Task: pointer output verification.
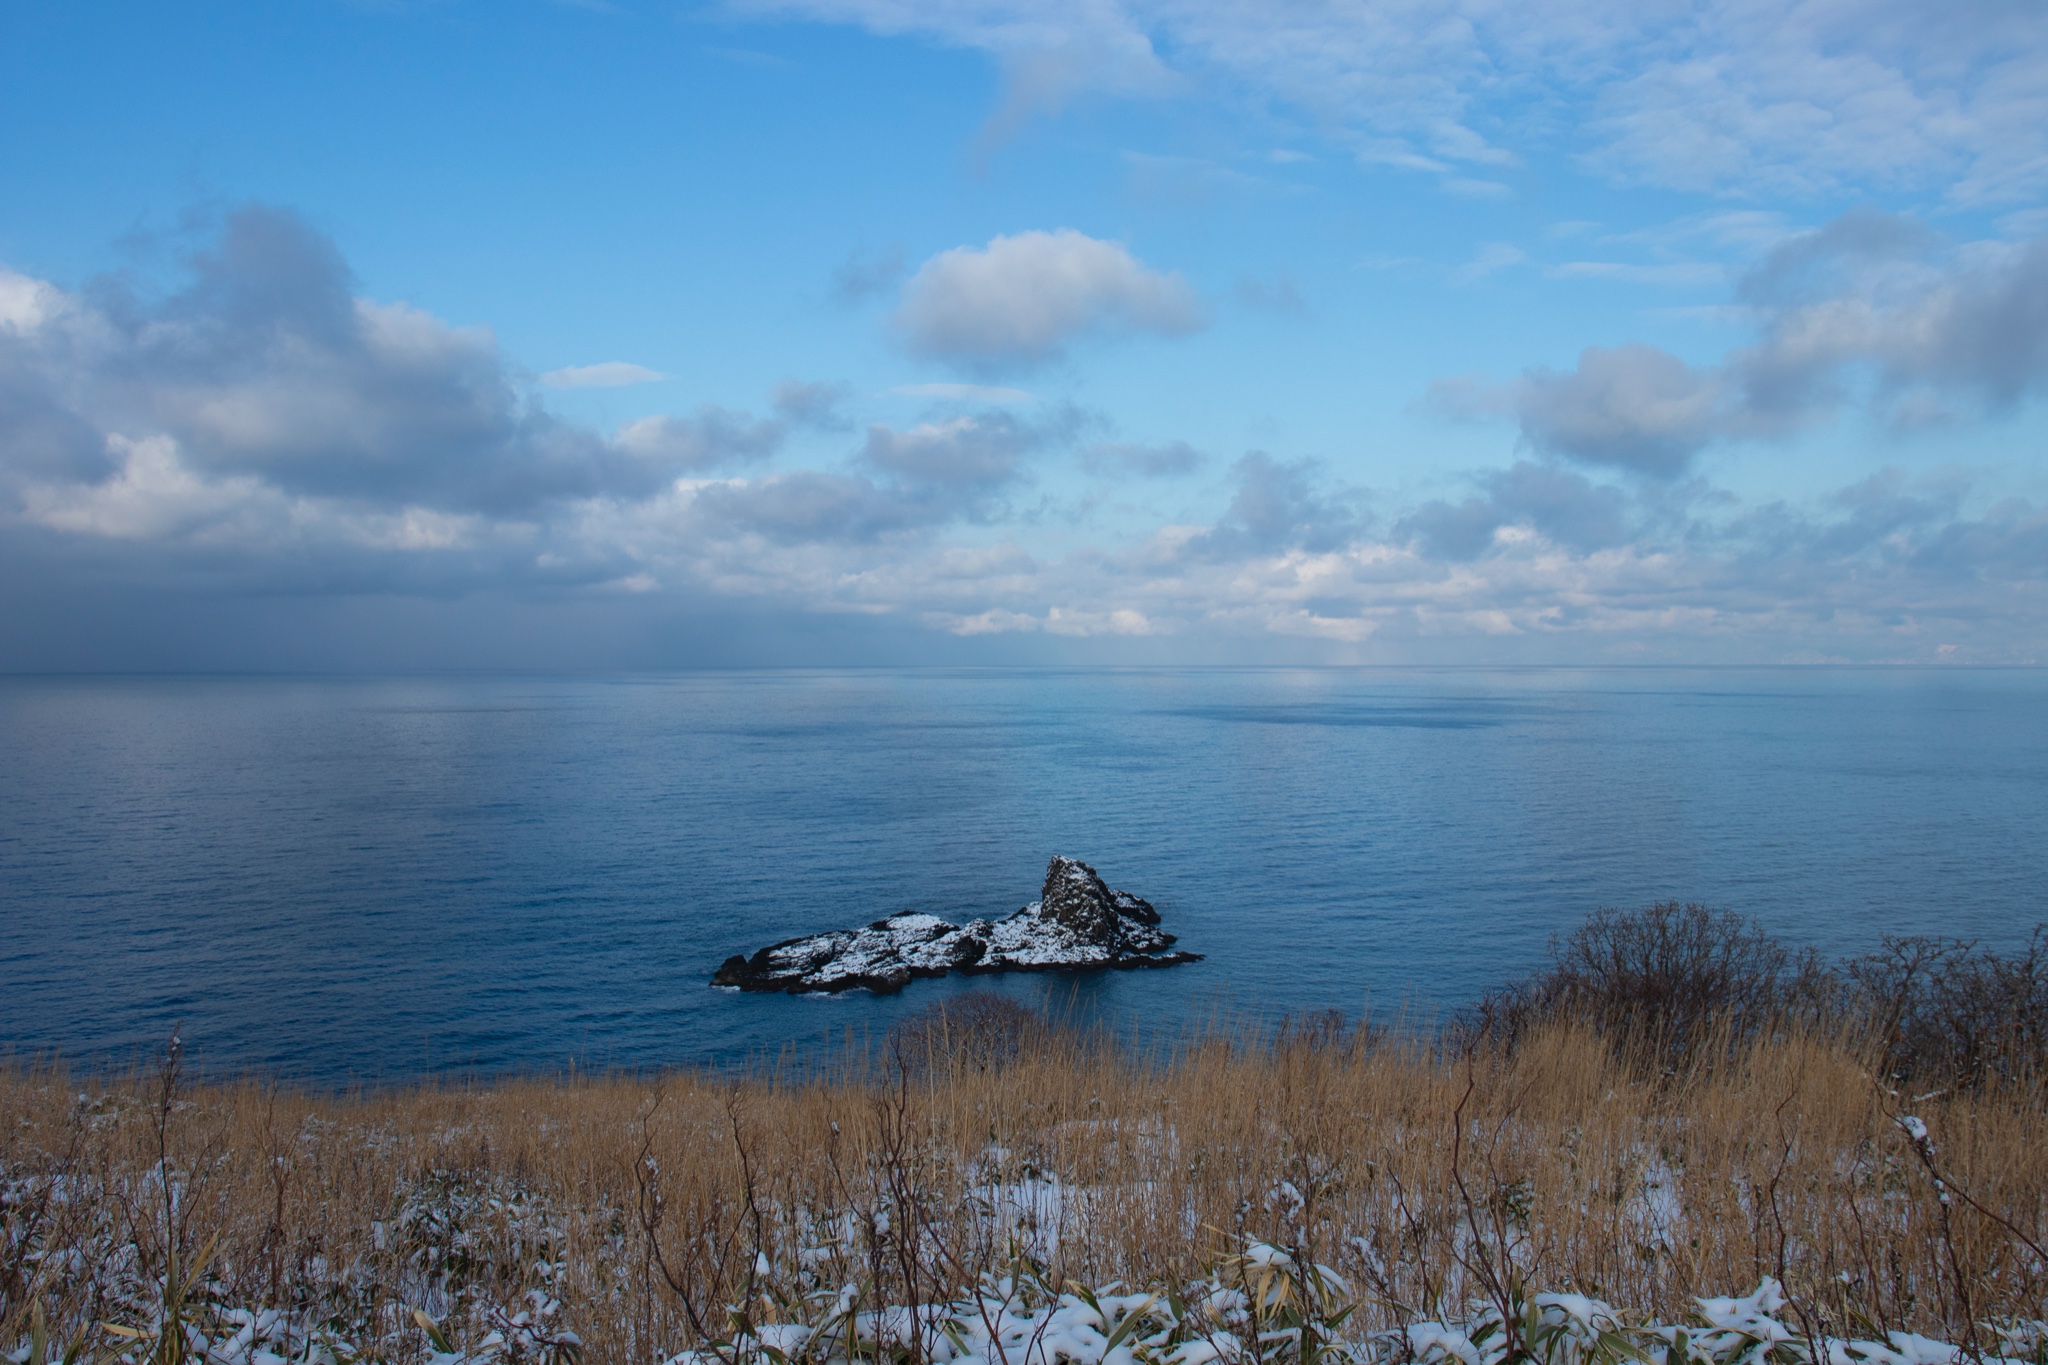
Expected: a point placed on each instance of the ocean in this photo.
(344, 880)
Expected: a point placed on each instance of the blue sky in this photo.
(538, 334)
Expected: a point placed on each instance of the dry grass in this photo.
(646, 1208)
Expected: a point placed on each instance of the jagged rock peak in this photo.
(1078, 921)
(1075, 896)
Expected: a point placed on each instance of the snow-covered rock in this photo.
(1078, 921)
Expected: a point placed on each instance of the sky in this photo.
(619, 334)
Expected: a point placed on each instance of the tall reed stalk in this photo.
(622, 1218)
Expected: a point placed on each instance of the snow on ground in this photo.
(443, 1300)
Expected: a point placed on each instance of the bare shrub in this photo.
(1951, 1013)
(1668, 981)
(1682, 984)
(978, 1030)
(1001, 1161)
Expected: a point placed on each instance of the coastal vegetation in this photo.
(1578, 1170)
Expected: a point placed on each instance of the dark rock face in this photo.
(1078, 921)
(1075, 897)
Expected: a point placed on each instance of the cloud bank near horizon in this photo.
(262, 432)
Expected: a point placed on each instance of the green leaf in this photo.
(1129, 1324)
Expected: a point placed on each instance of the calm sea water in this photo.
(371, 879)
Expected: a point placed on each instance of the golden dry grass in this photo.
(1420, 1176)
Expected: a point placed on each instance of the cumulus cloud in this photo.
(610, 374)
(713, 438)
(1277, 505)
(26, 304)
(267, 366)
(1633, 406)
(262, 430)
(263, 413)
(1019, 300)
(263, 404)
(1889, 568)
(1934, 328)
(1928, 319)
(719, 438)
(1809, 97)
(811, 506)
(960, 466)
(964, 453)
(1561, 506)
(906, 483)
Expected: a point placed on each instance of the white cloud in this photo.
(1748, 96)
(1083, 622)
(152, 495)
(1493, 256)
(1468, 187)
(26, 304)
(714, 437)
(1020, 299)
(267, 367)
(265, 432)
(610, 374)
(1885, 293)
(965, 453)
(1633, 406)
(994, 621)
(1935, 328)
(804, 507)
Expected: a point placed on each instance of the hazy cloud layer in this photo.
(810, 506)
(262, 431)
(1871, 308)
(963, 393)
(964, 453)
(712, 438)
(1019, 300)
(1147, 461)
(1806, 97)
(864, 274)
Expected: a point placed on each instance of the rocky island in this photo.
(1077, 921)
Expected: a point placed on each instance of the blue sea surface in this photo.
(338, 880)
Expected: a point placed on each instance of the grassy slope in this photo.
(1426, 1179)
